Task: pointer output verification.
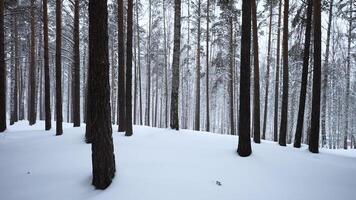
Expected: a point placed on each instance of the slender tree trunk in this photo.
(76, 70)
(2, 71)
(165, 66)
(276, 85)
(325, 78)
(267, 72)
(175, 65)
(148, 91)
(256, 70)
(128, 112)
(113, 82)
(244, 145)
(207, 68)
(103, 158)
(59, 116)
(16, 101)
(303, 88)
(121, 73)
(47, 86)
(315, 118)
(348, 66)
(139, 60)
(135, 77)
(197, 73)
(231, 77)
(284, 112)
(32, 70)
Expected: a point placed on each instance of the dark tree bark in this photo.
(244, 145)
(303, 88)
(256, 70)
(175, 65)
(121, 73)
(129, 69)
(99, 115)
(16, 101)
(207, 67)
(76, 69)
(165, 67)
(32, 70)
(59, 117)
(315, 115)
(268, 69)
(284, 113)
(197, 73)
(2, 71)
(276, 86)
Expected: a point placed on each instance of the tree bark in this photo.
(32, 70)
(2, 71)
(197, 76)
(175, 65)
(315, 113)
(76, 70)
(128, 112)
(256, 70)
(231, 76)
(207, 68)
(59, 117)
(121, 73)
(303, 88)
(284, 113)
(103, 158)
(244, 144)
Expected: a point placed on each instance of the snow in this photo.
(157, 164)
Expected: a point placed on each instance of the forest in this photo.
(111, 74)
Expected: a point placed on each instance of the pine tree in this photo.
(128, 111)
(76, 68)
(59, 117)
(207, 67)
(284, 112)
(303, 88)
(103, 158)
(256, 71)
(32, 70)
(315, 113)
(175, 65)
(244, 145)
(197, 77)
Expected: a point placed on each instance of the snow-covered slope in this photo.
(161, 164)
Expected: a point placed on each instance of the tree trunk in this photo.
(16, 100)
(165, 66)
(2, 71)
(284, 112)
(197, 73)
(303, 88)
(256, 70)
(175, 65)
(276, 87)
(315, 118)
(139, 60)
(47, 86)
(207, 68)
(348, 66)
(267, 72)
(103, 158)
(231, 77)
(59, 117)
(32, 70)
(76, 70)
(128, 112)
(121, 73)
(244, 145)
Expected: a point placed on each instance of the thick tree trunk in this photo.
(121, 73)
(2, 71)
(59, 116)
(276, 85)
(103, 158)
(315, 113)
(175, 65)
(267, 72)
(303, 88)
(284, 113)
(32, 70)
(244, 145)
(256, 70)
(128, 112)
(76, 70)
(197, 76)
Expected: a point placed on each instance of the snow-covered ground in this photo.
(162, 164)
